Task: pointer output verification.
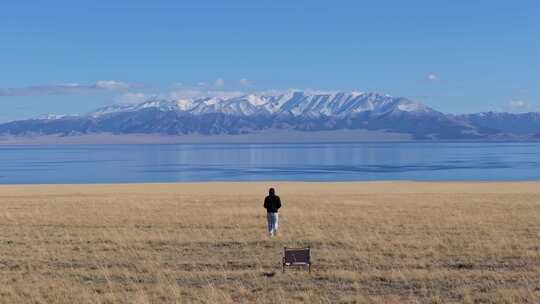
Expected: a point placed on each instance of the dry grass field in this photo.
(206, 243)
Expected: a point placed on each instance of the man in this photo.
(272, 203)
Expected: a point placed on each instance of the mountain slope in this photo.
(521, 124)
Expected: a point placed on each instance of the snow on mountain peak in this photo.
(256, 100)
(411, 106)
(49, 116)
(184, 104)
(355, 94)
(212, 101)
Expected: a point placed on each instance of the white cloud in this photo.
(66, 88)
(132, 97)
(194, 94)
(518, 106)
(432, 77)
(111, 85)
(244, 82)
(219, 82)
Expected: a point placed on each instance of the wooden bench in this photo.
(297, 257)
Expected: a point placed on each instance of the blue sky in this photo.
(455, 56)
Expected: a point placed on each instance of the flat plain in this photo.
(383, 242)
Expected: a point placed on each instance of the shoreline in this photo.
(268, 136)
(264, 137)
(286, 187)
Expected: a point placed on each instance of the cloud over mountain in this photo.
(66, 88)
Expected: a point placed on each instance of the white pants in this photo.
(273, 222)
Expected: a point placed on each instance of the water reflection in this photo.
(307, 162)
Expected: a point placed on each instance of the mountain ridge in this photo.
(294, 102)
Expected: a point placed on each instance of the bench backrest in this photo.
(297, 255)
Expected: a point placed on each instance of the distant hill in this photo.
(294, 111)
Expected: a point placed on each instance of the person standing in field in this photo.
(272, 203)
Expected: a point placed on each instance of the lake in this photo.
(421, 161)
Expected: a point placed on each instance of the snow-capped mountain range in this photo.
(291, 110)
(297, 103)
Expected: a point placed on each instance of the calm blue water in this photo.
(250, 162)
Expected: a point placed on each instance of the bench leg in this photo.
(309, 267)
(283, 268)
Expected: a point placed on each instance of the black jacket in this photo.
(272, 203)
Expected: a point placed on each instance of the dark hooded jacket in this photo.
(272, 203)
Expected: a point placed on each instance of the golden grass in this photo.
(206, 243)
